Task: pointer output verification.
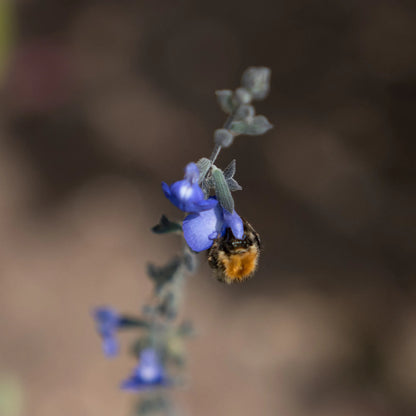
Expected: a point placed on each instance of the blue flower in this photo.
(147, 374)
(201, 229)
(187, 194)
(108, 321)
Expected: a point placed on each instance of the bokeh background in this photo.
(102, 100)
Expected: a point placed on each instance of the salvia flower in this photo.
(201, 229)
(108, 321)
(149, 373)
(186, 194)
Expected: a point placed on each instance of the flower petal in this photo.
(186, 194)
(187, 197)
(207, 204)
(147, 374)
(110, 346)
(234, 222)
(137, 384)
(192, 173)
(149, 369)
(198, 228)
(166, 190)
(134, 383)
(107, 320)
(149, 356)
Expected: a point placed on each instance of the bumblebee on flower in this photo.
(233, 244)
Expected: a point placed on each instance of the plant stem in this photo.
(215, 153)
(217, 147)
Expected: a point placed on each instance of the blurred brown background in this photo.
(102, 100)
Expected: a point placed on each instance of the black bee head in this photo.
(232, 243)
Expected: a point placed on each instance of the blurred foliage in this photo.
(166, 226)
(6, 34)
(10, 397)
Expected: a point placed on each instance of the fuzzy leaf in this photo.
(164, 274)
(168, 307)
(260, 125)
(224, 98)
(222, 191)
(244, 112)
(223, 138)
(228, 174)
(257, 126)
(233, 185)
(257, 81)
(203, 165)
(229, 171)
(242, 96)
(166, 226)
(239, 127)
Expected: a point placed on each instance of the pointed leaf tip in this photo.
(257, 126)
(166, 226)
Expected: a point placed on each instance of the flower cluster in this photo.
(207, 219)
(149, 372)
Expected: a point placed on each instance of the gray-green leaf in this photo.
(229, 171)
(223, 138)
(244, 112)
(203, 165)
(257, 81)
(166, 226)
(163, 274)
(242, 96)
(258, 125)
(222, 190)
(233, 185)
(225, 100)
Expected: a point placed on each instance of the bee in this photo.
(235, 260)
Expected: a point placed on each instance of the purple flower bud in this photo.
(149, 373)
(108, 321)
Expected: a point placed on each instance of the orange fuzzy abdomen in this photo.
(240, 266)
